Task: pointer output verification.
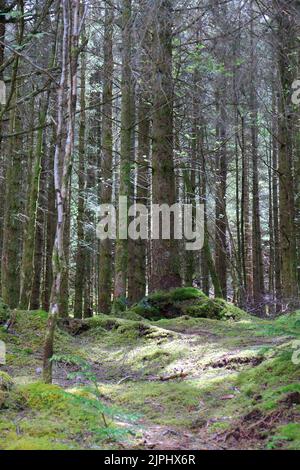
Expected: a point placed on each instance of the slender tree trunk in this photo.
(80, 253)
(105, 259)
(39, 254)
(246, 225)
(257, 256)
(142, 196)
(221, 171)
(50, 227)
(62, 166)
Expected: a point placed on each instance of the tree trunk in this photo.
(165, 272)
(105, 259)
(286, 33)
(257, 256)
(221, 171)
(121, 256)
(80, 253)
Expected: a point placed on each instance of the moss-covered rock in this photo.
(183, 301)
(4, 312)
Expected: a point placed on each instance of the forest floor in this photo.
(182, 383)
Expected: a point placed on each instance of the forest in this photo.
(149, 225)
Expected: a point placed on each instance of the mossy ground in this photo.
(213, 380)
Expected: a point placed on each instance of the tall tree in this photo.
(286, 66)
(165, 272)
(11, 223)
(121, 256)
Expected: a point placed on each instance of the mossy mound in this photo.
(183, 301)
(121, 331)
(4, 312)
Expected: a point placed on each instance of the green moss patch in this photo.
(53, 418)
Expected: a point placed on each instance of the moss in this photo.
(16, 442)
(41, 396)
(131, 314)
(217, 309)
(164, 403)
(55, 419)
(105, 322)
(272, 371)
(4, 312)
(120, 331)
(186, 293)
(27, 340)
(230, 311)
(139, 349)
(185, 301)
(290, 432)
(6, 382)
(179, 294)
(218, 426)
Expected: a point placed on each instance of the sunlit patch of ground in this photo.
(181, 383)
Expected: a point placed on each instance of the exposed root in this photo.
(234, 362)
